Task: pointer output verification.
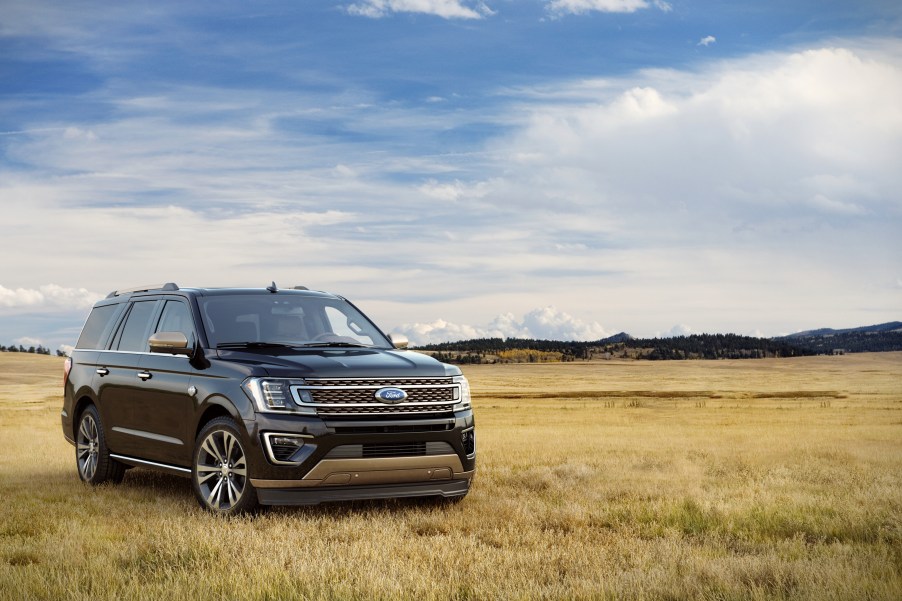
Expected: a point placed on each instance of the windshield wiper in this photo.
(229, 345)
(335, 344)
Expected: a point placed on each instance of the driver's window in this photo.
(177, 318)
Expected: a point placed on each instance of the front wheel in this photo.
(219, 473)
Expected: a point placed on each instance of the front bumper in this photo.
(324, 472)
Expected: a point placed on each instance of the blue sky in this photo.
(548, 168)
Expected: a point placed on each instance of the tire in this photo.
(219, 471)
(92, 456)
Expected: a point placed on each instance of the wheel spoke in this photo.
(83, 430)
(240, 471)
(202, 479)
(210, 447)
(230, 446)
(213, 494)
(233, 492)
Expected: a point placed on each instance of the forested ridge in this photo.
(694, 346)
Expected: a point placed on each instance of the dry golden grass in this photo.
(755, 479)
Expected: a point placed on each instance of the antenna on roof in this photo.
(273, 288)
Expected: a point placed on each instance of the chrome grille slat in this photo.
(378, 382)
(349, 396)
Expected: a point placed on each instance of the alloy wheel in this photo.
(87, 447)
(221, 470)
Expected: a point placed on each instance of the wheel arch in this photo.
(212, 411)
(80, 405)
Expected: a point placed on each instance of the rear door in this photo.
(117, 380)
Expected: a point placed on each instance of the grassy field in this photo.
(759, 479)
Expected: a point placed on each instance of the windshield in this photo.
(290, 319)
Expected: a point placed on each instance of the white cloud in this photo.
(47, 296)
(729, 196)
(447, 9)
(546, 323)
(707, 40)
(454, 191)
(27, 341)
(578, 7)
(679, 330)
(67, 349)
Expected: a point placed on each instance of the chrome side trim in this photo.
(128, 459)
(150, 435)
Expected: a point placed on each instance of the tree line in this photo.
(695, 346)
(37, 350)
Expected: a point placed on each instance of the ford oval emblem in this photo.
(391, 395)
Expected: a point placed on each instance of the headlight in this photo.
(274, 395)
(461, 393)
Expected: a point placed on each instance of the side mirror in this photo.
(399, 340)
(175, 343)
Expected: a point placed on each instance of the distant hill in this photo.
(876, 338)
(891, 326)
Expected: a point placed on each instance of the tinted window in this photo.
(134, 333)
(95, 326)
(177, 318)
(286, 318)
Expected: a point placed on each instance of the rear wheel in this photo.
(220, 473)
(92, 456)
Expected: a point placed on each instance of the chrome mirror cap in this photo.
(399, 340)
(175, 343)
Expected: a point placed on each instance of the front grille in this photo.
(367, 395)
(390, 449)
(349, 397)
(376, 383)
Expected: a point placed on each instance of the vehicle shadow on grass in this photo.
(158, 485)
(144, 485)
(369, 507)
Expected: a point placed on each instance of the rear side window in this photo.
(133, 336)
(96, 325)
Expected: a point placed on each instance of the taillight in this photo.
(67, 366)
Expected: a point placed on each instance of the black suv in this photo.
(269, 396)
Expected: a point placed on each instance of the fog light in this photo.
(468, 438)
(282, 447)
(284, 441)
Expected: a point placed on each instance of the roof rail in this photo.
(168, 286)
(300, 288)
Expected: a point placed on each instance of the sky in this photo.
(564, 169)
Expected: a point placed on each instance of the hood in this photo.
(341, 363)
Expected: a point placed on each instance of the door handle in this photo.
(102, 371)
(145, 375)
